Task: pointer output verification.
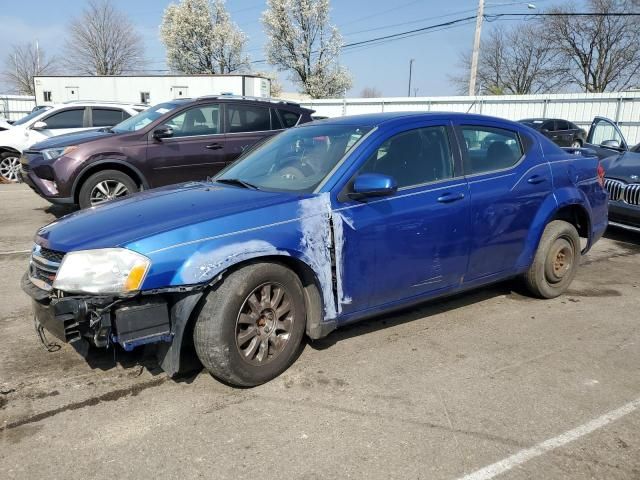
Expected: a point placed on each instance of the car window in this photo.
(290, 119)
(245, 118)
(276, 124)
(72, 118)
(107, 117)
(573, 126)
(414, 157)
(549, 125)
(30, 116)
(562, 125)
(202, 120)
(490, 149)
(603, 131)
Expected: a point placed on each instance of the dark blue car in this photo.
(325, 224)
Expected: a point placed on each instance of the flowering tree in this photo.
(201, 38)
(301, 40)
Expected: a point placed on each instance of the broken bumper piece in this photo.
(100, 320)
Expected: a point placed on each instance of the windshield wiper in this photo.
(238, 182)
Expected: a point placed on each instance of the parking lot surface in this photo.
(489, 383)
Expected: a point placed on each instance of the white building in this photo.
(150, 89)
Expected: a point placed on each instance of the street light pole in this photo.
(476, 49)
(410, 69)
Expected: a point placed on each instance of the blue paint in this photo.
(367, 256)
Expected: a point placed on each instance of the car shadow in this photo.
(59, 211)
(623, 236)
(512, 288)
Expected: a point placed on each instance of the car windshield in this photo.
(296, 160)
(31, 116)
(144, 118)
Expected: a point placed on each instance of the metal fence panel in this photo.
(14, 107)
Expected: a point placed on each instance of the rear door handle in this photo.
(536, 179)
(215, 146)
(450, 197)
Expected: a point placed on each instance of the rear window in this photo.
(245, 118)
(108, 117)
(490, 149)
(290, 119)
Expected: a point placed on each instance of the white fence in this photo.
(580, 108)
(14, 107)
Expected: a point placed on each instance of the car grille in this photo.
(623, 192)
(43, 266)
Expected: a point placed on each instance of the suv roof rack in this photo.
(246, 97)
(108, 102)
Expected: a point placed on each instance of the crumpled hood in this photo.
(623, 167)
(161, 217)
(74, 138)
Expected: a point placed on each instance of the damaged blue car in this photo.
(325, 224)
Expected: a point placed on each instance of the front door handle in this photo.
(215, 146)
(450, 197)
(536, 179)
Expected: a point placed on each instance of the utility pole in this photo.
(37, 58)
(410, 69)
(476, 49)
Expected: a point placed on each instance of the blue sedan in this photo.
(322, 225)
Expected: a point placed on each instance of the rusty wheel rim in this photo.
(264, 323)
(560, 260)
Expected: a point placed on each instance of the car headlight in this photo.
(53, 153)
(102, 271)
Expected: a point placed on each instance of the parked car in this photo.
(186, 139)
(561, 132)
(56, 120)
(322, 225)
(622, 166)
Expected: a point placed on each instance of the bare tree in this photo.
(301, 41)
(370, 92)
(103, 41)
(23, 63)
(201, 38)
(515, 61)
(602, 50)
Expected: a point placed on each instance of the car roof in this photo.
(90, 103)
(376, 119)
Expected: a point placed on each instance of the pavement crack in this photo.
(90, 402)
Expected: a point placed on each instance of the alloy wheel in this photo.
(108, 190)
(264, 323)
(10, 168)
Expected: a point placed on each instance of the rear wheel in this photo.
(250, 328)
(104, 186)
(556, 261)
(9, 167)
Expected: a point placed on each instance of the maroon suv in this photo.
(172, 142)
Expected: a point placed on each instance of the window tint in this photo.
(107, 117)
(490, 149)
(562, 125)
(204, 120)
(276, 124)
(290, 119)
(244, 118)
(550, 125)
(414, 157)
(66, 119)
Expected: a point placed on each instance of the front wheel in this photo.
(9, 167)
(250, 328)
(556, 261)
(104, 186)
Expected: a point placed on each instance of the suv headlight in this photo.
(102, 271)
(53, 153)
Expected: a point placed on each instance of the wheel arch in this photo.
(107, 164)
(5, 149)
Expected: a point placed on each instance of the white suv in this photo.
(56, 120)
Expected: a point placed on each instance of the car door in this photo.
(564, 135)
(605, 138)
(508, 181)
(415, 242)
(196, 149)
(60, 122)
(247, 125)
(549, 130)
(107, 117)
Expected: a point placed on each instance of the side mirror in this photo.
(165, 131)
(610, 144)
(40, 125)
(373, 185)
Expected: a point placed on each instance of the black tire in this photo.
(109, 176)
(556, 261)
(221, 327)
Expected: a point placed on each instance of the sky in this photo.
(384, 67)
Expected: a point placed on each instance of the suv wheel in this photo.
(250, 328)
(9, 166)
(556, 261)
(104, 186)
